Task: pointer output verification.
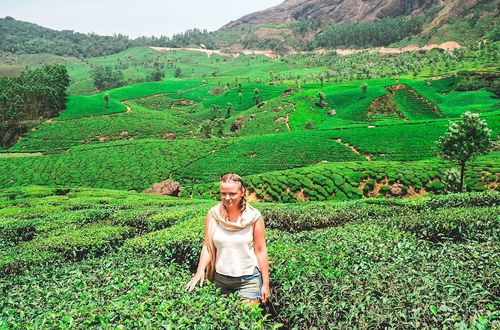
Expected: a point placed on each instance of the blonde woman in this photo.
(234, 252)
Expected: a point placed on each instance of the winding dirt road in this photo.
(447, 46)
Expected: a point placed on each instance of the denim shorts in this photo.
(249, 286)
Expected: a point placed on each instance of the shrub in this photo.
(94, 239)
(457, 224)
(306, 216)
(369, 276)
(472, 199)
(120, 291)
(181, 242)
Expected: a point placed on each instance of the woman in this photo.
(234, 252)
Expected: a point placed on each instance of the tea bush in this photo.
(369, 276)
(430, 261)
(342, 181)
(456, 224)
(119, 291)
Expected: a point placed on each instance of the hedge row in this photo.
(370, 276)
(39, 225)
(353, 180)
(457, 224)
(119, 291)
(426, 262)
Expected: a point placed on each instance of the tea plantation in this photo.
(338, 152)
(82, 257)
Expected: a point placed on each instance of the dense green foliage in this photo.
(33, 95)
(354, 180)
(27, 38)
(115, 165)
(337, 143)
(371, 263)
(119, 290)
(369, 34)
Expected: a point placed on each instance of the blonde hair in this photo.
(233, 177)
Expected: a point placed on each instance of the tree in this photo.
(106, 99)
(218, 125)
(465, 139)
(206, 128)
(158, 72)
(321, 97)
(256, 96)
(178, 72)
(310, 124)
(364, 87)
(229, 109)
(106, 78)
(215, 111)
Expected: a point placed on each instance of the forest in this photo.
(33, 95)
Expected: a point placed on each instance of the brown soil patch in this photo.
(217, 90)
(209, 52)
(272, 33)
(384, 104)
(394, 187)
(287, 122)
(412, 193)
(492, 185)
(187, 102)
(301, 196)
(252, 197)
(377, 186)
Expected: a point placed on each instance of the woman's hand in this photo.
(265, 292)
(198, 277)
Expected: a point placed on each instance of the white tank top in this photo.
(235, 254)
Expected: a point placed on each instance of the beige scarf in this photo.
(218, 215)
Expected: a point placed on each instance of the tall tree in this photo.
(465, 139)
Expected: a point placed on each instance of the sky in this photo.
(131, 17)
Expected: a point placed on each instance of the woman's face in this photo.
(230, 193)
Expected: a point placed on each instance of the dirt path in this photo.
(210, 52)
(368, 157)
(447, 46)
(128, 107)
(287, 123)
(19, 154)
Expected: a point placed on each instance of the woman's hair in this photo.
(233, 177)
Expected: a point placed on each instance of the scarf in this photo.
(218, 215)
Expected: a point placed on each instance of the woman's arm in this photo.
(259, 241)
(203, 263)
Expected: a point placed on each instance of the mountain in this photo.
(334, 11)
(311, 24)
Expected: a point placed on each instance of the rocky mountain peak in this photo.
(334, 11)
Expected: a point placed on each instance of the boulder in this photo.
(166, 187)
(397, 189)
(169, 136)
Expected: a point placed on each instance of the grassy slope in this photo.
(185, 103)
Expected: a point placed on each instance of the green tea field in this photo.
(366, 227)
